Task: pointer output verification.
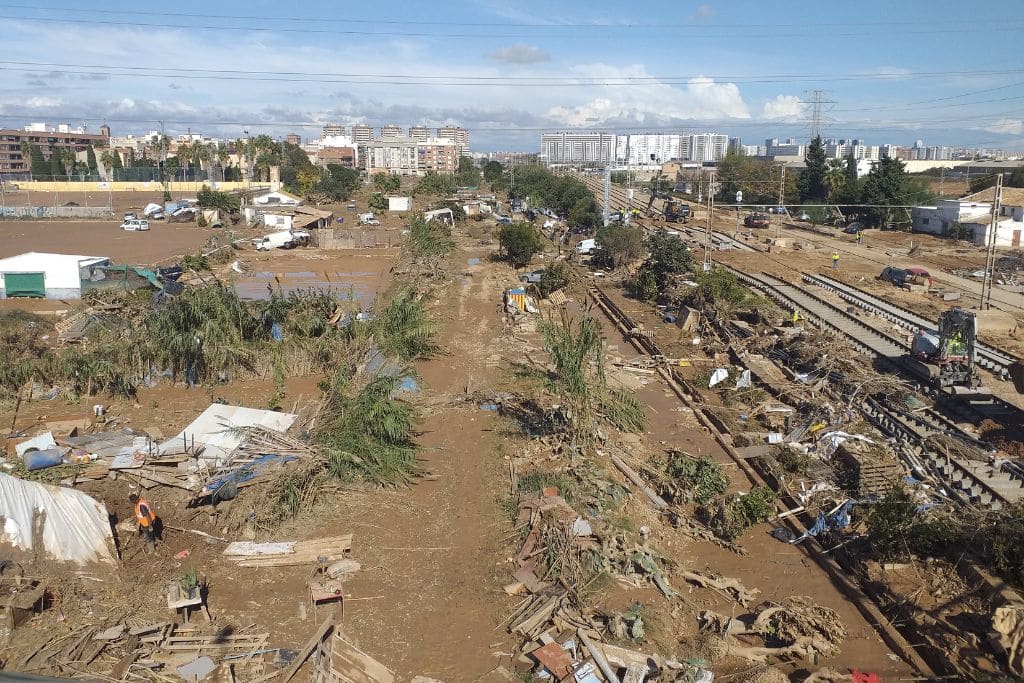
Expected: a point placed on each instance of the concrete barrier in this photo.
(57, 212)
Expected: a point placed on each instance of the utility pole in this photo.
(607, 193)
(817, 101)
(782, 202)
(163, 155)
(990, 250)
(707, 233)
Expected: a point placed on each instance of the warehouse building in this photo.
(48, 276)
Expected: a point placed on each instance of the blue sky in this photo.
(941, 71)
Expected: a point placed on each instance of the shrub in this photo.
(735, 514)
(701, 478)
(520, 242)
(555, 277)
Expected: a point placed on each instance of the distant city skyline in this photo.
(889, 72)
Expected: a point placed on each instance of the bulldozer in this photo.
(946, 358)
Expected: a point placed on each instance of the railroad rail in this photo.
(994, 360)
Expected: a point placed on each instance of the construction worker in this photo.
(796, 317)
(835, 260)
(146, 518)
(860, 237)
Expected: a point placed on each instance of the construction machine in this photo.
(946, 358)
(676, 211)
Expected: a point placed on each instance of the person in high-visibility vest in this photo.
(796, 317)
(835, 260)
(146, 518)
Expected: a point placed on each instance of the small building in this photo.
(399, 203)
(445, 216)
(47, 276)
(970, 217)
(297, 218)
(277, 198)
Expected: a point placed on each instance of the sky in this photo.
(888, 72)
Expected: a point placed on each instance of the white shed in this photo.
(399, 203)
(278, 198)
(278, 220)
(50, 276)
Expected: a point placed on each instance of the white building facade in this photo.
(583, 148)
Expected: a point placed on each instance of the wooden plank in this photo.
(307, 650)
(351, 665)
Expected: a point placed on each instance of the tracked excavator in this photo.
(945, 358)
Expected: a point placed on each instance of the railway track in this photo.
(992, 359)
(968, 480)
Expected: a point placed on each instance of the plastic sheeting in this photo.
(74, 526)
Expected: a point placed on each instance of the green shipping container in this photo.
(25, 284)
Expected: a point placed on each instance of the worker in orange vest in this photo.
(146, 518)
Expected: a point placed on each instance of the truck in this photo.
(282, 239)
(367, 219)
(945, 358)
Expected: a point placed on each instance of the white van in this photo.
(283, 239)
(135, 225)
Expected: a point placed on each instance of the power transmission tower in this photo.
(817, 100)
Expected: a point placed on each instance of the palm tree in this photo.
(835, 177)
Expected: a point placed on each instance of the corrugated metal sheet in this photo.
(217, 429)
(75, 526)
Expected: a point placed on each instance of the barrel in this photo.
(37, 460)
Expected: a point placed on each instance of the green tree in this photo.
(1015, 179)
(493, 172)
(668, 256)
(57, 164)
(520, 242)
(813, 181)
(215, 199)
(835, 178)
(118, 164)
(90, 159)
(620, 244)
(884, 187)
(339, 182)
(468, 174)
(378, 202)
(851, 182)
(757, 178)
(584, 213)
(386, 182)
(39, 168)
(440, 184)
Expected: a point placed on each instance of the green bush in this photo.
(701, 478)
(520, 242)
(896, 528)
(733, 515)
(555, 277)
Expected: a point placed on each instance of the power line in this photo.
(450, 79)
(958, 23)
(698, 32)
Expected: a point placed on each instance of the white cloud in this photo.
(1006, 126)
(520, 54)
(702, 13)
(783, 108)
(40, 102)
(647, 101)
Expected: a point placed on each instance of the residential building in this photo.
(361, 133)
(578, 148)
(47, 276)
(773, 147)
(457, 134)
(1009, 222)
(330, 129)
(398, 156)
(735, 146)
(47, 139)
(438, 155)
(646, 148)
(338, 149)
(753, 150)
(390, 131)
(705, 147)
(293, 139)
(840, 149)
(419, 132)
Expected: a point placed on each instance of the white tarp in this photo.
(74, 526)
(718, 376)
(219, 430)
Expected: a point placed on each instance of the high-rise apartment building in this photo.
(457, 134)
(704, 147)
(332, 129)
(391, 131)
(583, 148)
(361, 133)
(419, 132)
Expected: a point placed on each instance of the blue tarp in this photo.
(840, 519)
(226, 487)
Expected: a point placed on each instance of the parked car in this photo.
(135, 225)
(156, 216)
(920, 274)
(503, 220)
(805, 216)
(777, 209)
(586, 246)
(130, 216)
(534, 277)
(895, 275)
(757, 220)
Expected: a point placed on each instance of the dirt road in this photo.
(164, 242)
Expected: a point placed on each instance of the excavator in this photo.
(945, 358)
(675, 211)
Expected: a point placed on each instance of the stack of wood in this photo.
(872, 471)
(289, 553)
(261, 441)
